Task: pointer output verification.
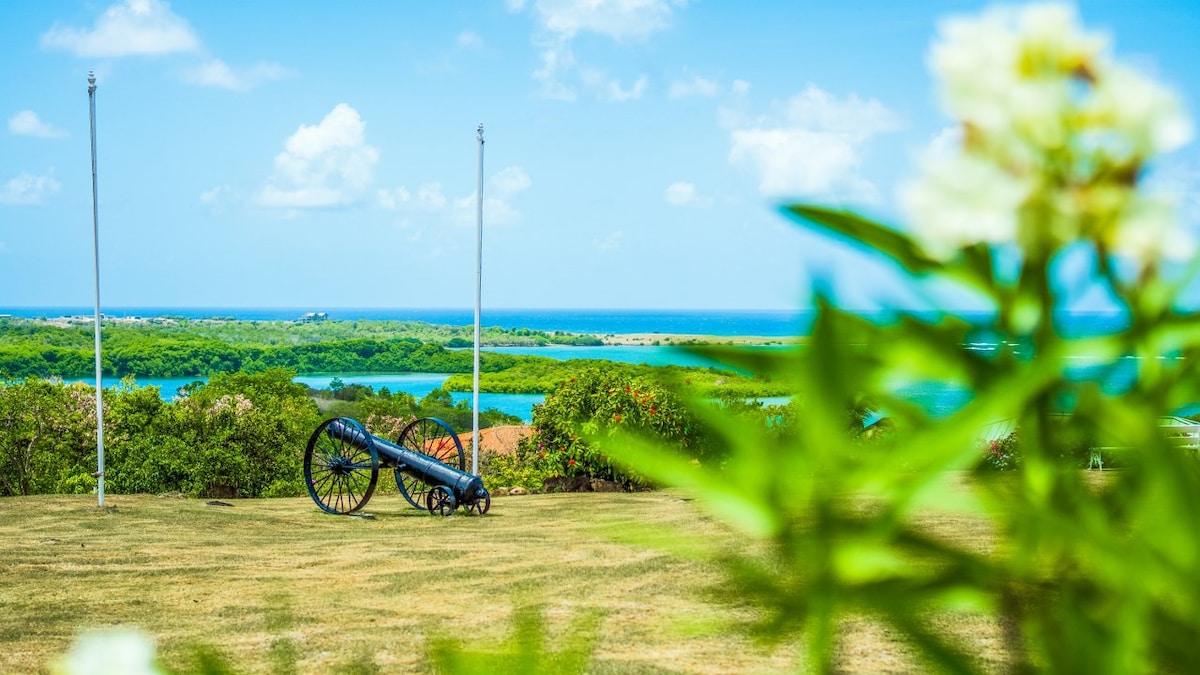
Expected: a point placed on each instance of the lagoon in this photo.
(938, 399)
(420, 384)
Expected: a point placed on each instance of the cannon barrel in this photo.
(465, 486)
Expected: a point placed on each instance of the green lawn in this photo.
(274, 583)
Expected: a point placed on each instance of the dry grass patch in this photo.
(278, 578)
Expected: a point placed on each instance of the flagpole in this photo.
(478, 303)
(96, 267)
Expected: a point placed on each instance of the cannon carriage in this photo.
(342, 463)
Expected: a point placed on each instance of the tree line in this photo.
(238, 435)
(204, 348)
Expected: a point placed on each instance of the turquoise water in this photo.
(420, 384)
(417, 384)
(935, 397)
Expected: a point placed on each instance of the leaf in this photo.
(867, 234)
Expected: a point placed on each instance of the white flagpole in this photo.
(478, 303)
(96, 263)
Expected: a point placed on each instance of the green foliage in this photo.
(174, 348)
(1085, 576)
(239, 435)
(47, 438)
(537, 375)
(522, 469)
(598, 402)
(1003, 454)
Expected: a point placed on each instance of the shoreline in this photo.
(686, 339)
(636, 339)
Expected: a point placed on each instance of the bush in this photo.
(512, 471)
(600, 402)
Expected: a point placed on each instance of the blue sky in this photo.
(323, 155)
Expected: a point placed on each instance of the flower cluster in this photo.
(238, 404)
(1052, 140)
(1001, 454)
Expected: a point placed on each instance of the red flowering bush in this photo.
(1001, 454)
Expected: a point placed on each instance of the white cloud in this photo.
(508, 182)
(945, 141)
(697, 86)
(469, 39)
(682, 193)
(814, 148)
(429, 198)
(561, 21)
(134, 27)
(498, 193)
(611, 242)
(28, 189)
(217, 73)
(617, 19)
(213, 195)
(150, 28)
(329, 164)
(557, 59)
(606, 88)
(27, 123)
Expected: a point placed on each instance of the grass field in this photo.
(278, 586)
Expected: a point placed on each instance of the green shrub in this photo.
(598, 402)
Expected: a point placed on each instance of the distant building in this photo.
(313, 317)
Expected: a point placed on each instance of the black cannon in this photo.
(341, 467)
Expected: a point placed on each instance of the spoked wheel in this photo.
(440, 501)
(432, 437)
(340, 465)
(481, 503)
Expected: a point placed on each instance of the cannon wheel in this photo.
(433, 437)
(341, 469)
(481, 503)
(440, 501)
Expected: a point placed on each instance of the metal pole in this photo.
(478, 303)
(96, 263)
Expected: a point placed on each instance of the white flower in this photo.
(1142, 111)
(1008, 73)
(1055, 140)
(1148, 231)
(118, 651)
(963, 200)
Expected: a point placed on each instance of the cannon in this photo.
(342, 462)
